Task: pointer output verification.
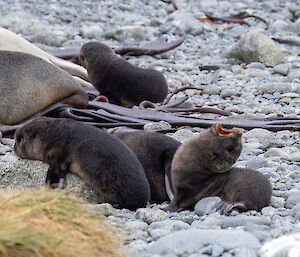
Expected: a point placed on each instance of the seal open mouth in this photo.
(225, 132)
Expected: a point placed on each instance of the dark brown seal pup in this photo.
(118, 80)
(29, 84)
(102, 160)
(155, 152)
(201, 167)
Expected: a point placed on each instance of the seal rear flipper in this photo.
(226, 208)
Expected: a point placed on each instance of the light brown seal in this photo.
(121, 82)
(201, 167)
(29, 84)
(10, 41)
(102, 160)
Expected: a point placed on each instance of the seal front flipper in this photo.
(55, 177)
(57, 171)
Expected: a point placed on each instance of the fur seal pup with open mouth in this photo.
(155, 152)
(29, 84)
(201, 167)
(100, 159)
(121, 82)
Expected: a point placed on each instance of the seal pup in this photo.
(10, 41)
(100, 159)
(118, 80)
(201, 167)
(155, 152)
(29, 84)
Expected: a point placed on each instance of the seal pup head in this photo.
(213, 151)
(95, 53)
(28, 143)
(226, 147)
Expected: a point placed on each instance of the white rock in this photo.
(150, 215)
(255, 47)
(282, 68)
(285, 246)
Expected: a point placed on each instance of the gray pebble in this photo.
(293, 198)
(255, 47)
(173, 225)
(149, 215)
(282, 68)
(257, 162)
(206, 205)
(296, 211)
(136, 224)
(285, 246)
(155, 126)
(277, 202)
(192, 240)
(7, 141)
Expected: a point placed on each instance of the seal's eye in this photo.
(81, 57)
(228, 145)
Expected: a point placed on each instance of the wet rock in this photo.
(149, 215)
(255, 47)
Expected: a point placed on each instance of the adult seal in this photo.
(155, 152)
(29, 84)
(201, 167)
(100, 159)
(10, 41)
(118, 80)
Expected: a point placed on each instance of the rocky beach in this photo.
(239, 67)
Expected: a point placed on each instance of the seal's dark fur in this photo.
(102, 160)
(155, 152)
(121, 82)
(202, 165)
